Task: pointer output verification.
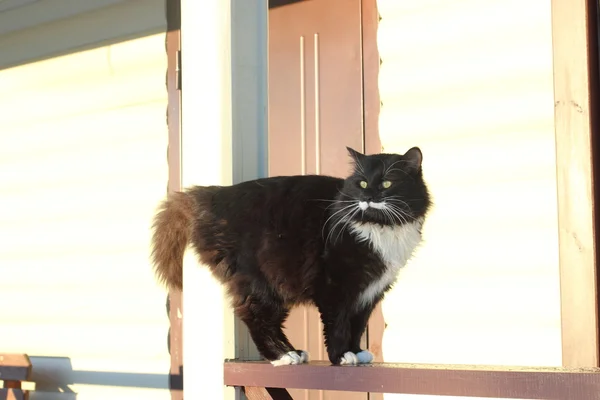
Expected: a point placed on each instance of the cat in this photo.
(283, 241)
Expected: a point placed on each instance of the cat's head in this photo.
(385, 188)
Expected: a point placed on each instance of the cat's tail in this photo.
(172, 228)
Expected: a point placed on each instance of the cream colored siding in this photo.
(83, 143)
(470, 82)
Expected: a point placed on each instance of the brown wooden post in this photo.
(173, 40)
(577, 247)
(14, 369)
(372, 143)
(371, 60)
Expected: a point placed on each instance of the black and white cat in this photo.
(278, 242)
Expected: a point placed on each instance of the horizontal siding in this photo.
(29, 13)
(470, 83)
(51, 28)
(99, 64)
(83, 164)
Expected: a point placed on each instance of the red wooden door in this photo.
(316, 108)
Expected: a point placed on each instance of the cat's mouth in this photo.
(364, 205)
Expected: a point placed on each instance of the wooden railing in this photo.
(14, 370)
(260, 380)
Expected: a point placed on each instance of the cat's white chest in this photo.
(395, 245)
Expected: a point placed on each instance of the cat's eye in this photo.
(363, 184)
(386, 184)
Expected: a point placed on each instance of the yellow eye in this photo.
(386, 184)
(363, 184)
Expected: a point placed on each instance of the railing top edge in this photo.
(428, 379)
(423, 366)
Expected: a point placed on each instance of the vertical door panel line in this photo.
(317, 108)
(302, 109)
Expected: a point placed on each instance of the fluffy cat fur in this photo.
(282, 241)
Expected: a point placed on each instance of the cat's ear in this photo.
(356, 156)
(414, 158)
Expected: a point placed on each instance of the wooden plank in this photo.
(577, 248)
(261, 393)
(441, 380)
(14, 367)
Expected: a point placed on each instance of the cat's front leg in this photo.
(358, 325)
(343, 327)
(337, 329)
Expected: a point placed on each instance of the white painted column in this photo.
(224, 141)
(208, 324)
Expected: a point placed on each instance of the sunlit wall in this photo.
(470, 82)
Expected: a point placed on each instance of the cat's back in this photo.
(303, 185)
(298, 194)
(273, 190)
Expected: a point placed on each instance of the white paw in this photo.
(364, 357)
(303, 356)
(349, 358)
(291, 358)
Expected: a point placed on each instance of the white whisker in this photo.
(398, 208)
(360, 168)
(387, 215)
(397, 169)
(340, 220)
(333, 215)
(392, 200)
(398, 214)
(334, 201)
(403, 217)
(348, 220)
(389, 168)
(343, 194)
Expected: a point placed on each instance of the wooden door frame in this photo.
(575, 61)
(372, 143)
(371, 62)
(173, 82)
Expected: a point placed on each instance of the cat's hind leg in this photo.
(264, 318)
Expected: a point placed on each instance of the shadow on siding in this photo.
(53, 375)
